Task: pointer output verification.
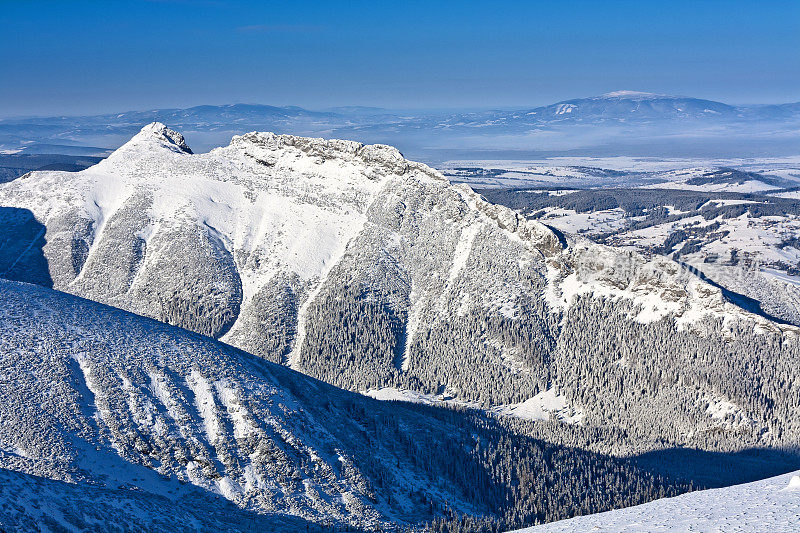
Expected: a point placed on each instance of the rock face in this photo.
(351, 264)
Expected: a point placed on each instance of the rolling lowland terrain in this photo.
(375, 274)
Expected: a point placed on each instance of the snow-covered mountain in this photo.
(368, 271)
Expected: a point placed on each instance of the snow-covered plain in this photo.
(768, 505)
(619, 171)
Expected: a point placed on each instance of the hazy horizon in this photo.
(334, 108)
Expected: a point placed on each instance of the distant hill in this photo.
(632, 105)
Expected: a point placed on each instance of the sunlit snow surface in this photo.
(547, 405)
(768, 505)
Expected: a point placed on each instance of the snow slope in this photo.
(768, 505)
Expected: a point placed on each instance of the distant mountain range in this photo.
(618, 123)
(618, 105)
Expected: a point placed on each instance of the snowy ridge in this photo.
(768, 505)
(121, 421)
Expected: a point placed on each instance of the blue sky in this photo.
(59, 57)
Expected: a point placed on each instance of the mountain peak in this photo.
(162, 135)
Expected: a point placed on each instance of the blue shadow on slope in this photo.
(22, 240)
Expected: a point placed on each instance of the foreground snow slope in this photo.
(360, 268)
(768, 505)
